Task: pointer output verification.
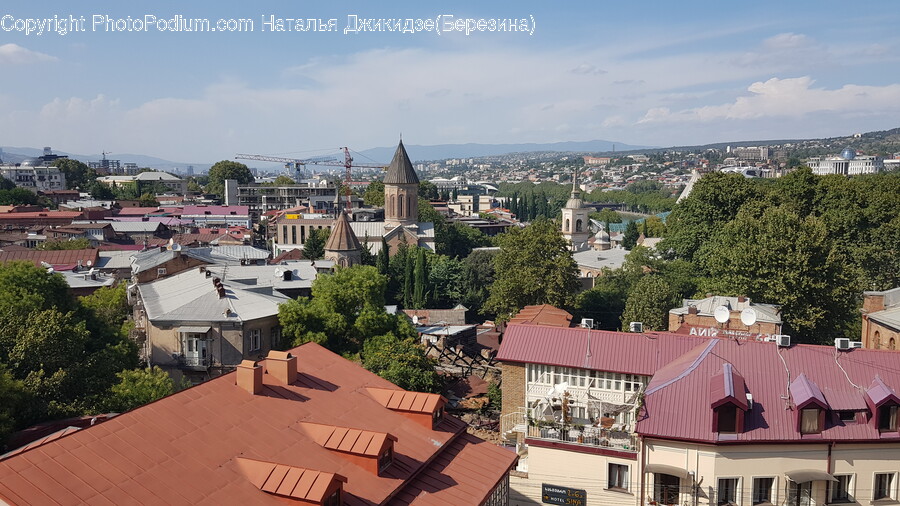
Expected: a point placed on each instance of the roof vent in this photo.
(637, 327)
(249, 376)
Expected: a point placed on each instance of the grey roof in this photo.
(401, 171)
(767, 313)
(135, 227)
(593, 259)
(254, 277)
(191, 297)
(114, 259)
(148, 259)
(156, 176)
(83, 279)
(888, 317)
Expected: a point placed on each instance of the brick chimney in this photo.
(249, 376)
(282, 366)
(693, 310)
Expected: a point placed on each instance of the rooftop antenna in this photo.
(722, 314)
(748, 316)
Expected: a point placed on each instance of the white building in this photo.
(847, 164)
(35, 176)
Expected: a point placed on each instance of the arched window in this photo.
(393, 205)
(400, 207)
(578, 225)
(568, 228)
(892, 344)
(876, 342)
(343, 262)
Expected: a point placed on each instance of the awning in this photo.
(193, 330)
(805, 475)
(667, 469)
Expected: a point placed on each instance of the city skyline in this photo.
(644, 74)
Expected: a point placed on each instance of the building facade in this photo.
(881, 319)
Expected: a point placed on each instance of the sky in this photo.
(643, 73)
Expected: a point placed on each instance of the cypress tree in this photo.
(419, 277)
(382, 261)
(408, 280)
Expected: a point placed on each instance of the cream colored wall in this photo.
(710, 463)
(576, 470)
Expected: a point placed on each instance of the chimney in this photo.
(693, 310)
(282, 366)
(249, 376)
(742, 299)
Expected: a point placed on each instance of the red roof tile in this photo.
(544, 314)
(186, 448)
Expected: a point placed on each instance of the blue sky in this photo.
(651, 73)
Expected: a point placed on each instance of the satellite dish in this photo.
(49, 270)
(415, 320)
(176, 247)
(722, 314)
(89, 263)
(748, 316)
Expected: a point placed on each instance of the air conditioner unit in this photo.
(783, 340)
(587, 323)
(842, 343)
(636, 327)
(856, 344)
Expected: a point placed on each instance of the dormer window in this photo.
(437, 416)
(887, 418)
(809, 421)
(726, 420)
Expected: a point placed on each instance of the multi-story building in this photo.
(260, 199)
(34, 175)
(666, 419)
(742, 319)
(218, 216)
(847, 164)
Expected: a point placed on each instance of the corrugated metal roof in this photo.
(600, 350)
(769, 313)
(888, 317)
(681, 409)
(191, 447)
(359, 442)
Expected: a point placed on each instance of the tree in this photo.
(12, 395)
(283, 180)
(314, 246)
(100, 191)
(346, 308)
(457, 239)
(630, 238)
(78, 175)
(138, 387)
(408, 280)
(227, 169)
(428, 191)
(402, 362)
(374, 194)
(109, 304)
(17, 196)
(534, 266)
(476, 279)
(65, 244)
(649, 302)
(419, 280)
(445, 280)
(382, 260)
(147, 200)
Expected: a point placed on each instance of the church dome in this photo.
(32, 162)
(848, 154)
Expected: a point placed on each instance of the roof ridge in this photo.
(706, 351)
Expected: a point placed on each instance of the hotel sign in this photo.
(729, 334)
(553, 494)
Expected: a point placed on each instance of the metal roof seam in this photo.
(688, 370)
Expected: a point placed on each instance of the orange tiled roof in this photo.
(544, 314)
(193, 447)
(288, 481)
(405, 400)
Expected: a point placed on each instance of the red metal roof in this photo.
(59, 259)
(677, 400)
(288, 481)
(405, 400)
(359, 442)
(186, 448)
(600, 350)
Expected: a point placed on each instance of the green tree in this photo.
(402, 362)
(345, 309)
(382, 260)
(283, 180)
(605, 301)
(408, 280)
(428, 191)
(477, 277)
(78, 175)
(227, 169)
(138, 387)
(12, 395)
(420, 280)
(445, 281)
(314, 246)
(629, 239)
(534, 266)
(100, 191)
(147, 200)
(649, 302)
(65, 244)
(17, 196)
(457, 239)
(109, 304)
(374, 194)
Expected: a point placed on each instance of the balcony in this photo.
(597, 437)
(194, 363)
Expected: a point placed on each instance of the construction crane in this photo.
(294, 163)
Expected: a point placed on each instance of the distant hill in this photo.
(472, 150)
(12, 154)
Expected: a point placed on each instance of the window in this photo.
(809, 421)
(884, 486)
(617, 477)
(727, 491)
(255, 341)
(847, 416)
(385, 459)
(887, 418)
(726, 419)
(161, 271)
(840, 489)
(666, 488)
(275, 336)
(762, 490)
(567, 225)
(800, 494)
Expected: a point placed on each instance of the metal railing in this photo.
(587, 436)
(202, 363)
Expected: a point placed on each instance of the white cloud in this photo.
(792, 98)
(14, 54)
